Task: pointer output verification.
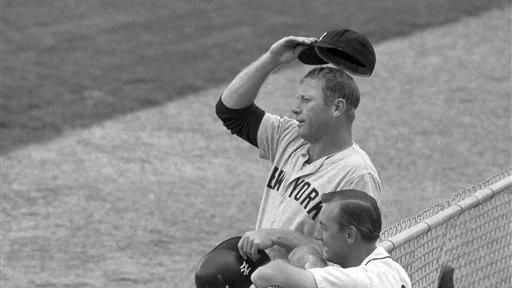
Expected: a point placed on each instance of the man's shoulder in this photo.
(283, 127)
(277, 135)
(378, 254)
(383, 267)
(358, 152)
(336, 276)
(279, 122)
(356, 159)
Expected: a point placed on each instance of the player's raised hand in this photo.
(253, 241)
(287, 49)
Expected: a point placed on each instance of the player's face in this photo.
(310, 111)
(333, 237)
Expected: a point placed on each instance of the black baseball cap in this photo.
(224, 267)
(345, 49)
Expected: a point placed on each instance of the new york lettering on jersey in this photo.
(301, 191)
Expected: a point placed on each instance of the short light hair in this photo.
(359, 209)
(337, 84)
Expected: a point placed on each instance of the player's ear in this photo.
(339, 107)
(351, 234)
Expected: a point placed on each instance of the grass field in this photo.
(136, 200)
(69, 64)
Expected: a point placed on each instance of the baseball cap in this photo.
(345, 49)
(224, 267)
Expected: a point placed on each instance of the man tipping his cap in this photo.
(314, 152)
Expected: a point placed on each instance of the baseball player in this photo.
(312, 154)
(351, 223)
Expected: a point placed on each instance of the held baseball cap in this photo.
(345, 49)
(224, 267)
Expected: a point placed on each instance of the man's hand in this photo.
(287, 49)
(253, 241)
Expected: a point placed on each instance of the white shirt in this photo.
(378, 270)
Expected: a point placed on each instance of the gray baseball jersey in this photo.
(291, 199)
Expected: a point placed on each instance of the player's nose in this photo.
(296, 110)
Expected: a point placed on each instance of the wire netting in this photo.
(472, 232)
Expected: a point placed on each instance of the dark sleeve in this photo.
(243, 122)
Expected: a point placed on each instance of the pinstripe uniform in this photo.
(291, 199)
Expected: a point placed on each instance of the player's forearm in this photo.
(243, 90)
(290, 240)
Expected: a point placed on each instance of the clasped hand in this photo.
(253, 241)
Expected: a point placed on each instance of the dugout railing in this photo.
(471, 232)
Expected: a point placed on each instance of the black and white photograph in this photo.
(255, 144)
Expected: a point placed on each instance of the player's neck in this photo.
(359, 253)
(329, 146)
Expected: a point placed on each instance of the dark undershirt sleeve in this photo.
(243, 122)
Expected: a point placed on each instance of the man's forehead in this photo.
(322, 216)
(328, 212)
(312, 82)
(309, 85)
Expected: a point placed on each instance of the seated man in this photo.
(350, 225)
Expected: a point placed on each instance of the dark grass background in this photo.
(69, 63)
